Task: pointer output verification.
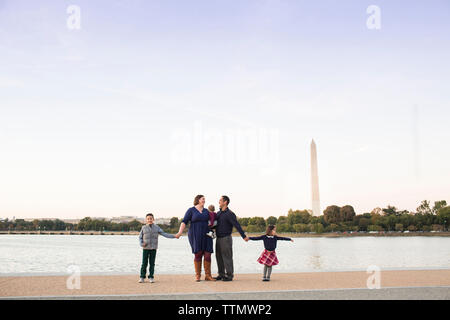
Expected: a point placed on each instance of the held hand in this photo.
(246, 239)
(292, 240)
(144, 244)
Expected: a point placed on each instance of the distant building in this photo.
(53, 219)
(121, 219)
(72, 221)
(162, 221)
(125, 219)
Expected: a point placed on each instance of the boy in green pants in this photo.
(148, 239)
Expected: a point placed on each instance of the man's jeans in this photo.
(148, 256)
(224, 256)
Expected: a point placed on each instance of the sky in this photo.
(128, 107)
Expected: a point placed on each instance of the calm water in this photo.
(53, 254)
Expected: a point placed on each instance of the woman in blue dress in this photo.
(201, 244)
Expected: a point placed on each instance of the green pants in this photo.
(148, 256)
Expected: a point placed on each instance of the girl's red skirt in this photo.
(268, 258)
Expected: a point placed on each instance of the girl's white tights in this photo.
(267, 271)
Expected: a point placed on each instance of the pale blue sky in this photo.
(91, 119)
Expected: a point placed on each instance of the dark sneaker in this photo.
(265, 279)
(218, 278)
(227, 279)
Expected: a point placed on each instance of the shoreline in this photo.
(178, 284)
(252, 234)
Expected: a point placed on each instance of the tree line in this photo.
(427, 217)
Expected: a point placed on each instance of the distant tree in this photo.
(259, 222)
(301, 227)
(390, 210)
(443, 216)
(83, 225)
(332, 214)
(363, 224)
(387, 222)
(271, 220)
(47, 225)
(284, 227)
(253, 228)
(438, 205)
(35, 224)
(298, 216)
(70, 226)
(315, 219)
(376, 211)
(317, 227)
(133, 225)
(398, 227)
(374, 228)
(282, 220)
(333, 227)
(424, 208)
(347, 213)
(243, 221)
(59, 225)
(174, 223)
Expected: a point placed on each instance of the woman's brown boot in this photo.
(207, 265)
(198, 270)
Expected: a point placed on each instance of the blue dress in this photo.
(198, 229)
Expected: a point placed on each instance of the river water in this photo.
(104, 254)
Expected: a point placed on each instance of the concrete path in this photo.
(395, 284)
(413, 293)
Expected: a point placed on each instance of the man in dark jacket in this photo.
(226, 220)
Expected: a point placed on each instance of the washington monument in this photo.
(314, 181)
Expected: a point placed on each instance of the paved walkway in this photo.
(398, 284)
(413, 293)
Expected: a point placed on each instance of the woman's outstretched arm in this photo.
(187, 218)
(180, 231)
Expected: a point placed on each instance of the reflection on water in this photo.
(315, 259)
(315, 262)
(24, 254)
